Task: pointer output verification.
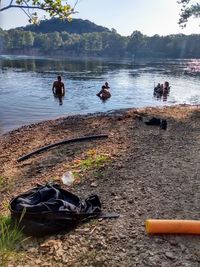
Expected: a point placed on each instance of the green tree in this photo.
(13, 39)
(65, 37)
(137, 43)
(188, 10)
(29, 39)
(43, 42)
(113, 44)
(55, 8)
(39, 40)
(92, 41)
(55, 40)
(2, 39)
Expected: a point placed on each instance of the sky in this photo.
(148, 16)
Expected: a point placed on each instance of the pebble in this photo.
(94, 184)
(173, 242)
(169, 255)
(32, 250)
(183, 248)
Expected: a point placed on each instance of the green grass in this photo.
(10, 234)
(5, 183)
(10, 237)
(2, 181)
(5, 204)
(93, 162)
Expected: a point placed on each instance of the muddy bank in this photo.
(147, 172)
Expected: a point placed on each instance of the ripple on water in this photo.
(26, 95)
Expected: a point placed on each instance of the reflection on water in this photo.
(193, 67)
(26, 94)
(50, 65)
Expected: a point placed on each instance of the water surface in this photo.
(26, 95)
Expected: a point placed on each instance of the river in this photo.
(26, 82)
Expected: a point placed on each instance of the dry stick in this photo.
(91, 137)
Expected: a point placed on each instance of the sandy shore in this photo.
(146, 172)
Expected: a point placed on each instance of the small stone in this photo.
(38, 261)
(173, 242)
(183, 248)
(159, 240)
(169, 255)
(119, 166)
(93, 184)
(32, 250)
(164, 264)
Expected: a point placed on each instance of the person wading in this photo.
(58, 87)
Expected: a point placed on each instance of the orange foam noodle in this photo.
(159, 226)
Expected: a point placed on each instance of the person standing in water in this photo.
(104, 93)
(58, 87)
(166, 88)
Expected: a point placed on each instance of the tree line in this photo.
(99, 44)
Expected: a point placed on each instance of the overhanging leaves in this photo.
(55, 8)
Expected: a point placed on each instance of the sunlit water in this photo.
(26, 95)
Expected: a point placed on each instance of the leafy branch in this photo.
(55, 8)
(188, 10)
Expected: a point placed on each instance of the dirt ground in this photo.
(150, 173)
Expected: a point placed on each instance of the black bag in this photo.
(157, 122)
(153, 121)
(49, 209)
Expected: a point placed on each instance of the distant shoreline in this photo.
(64, 55)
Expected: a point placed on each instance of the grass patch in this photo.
(94, 162)
(5, 204)
(91, 161)
(5, 183)
(10, 236)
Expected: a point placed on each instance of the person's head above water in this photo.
(59, 78)
(166, 84)
(107, 85)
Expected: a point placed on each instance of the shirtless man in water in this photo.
(104, 93)
(58, 87)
